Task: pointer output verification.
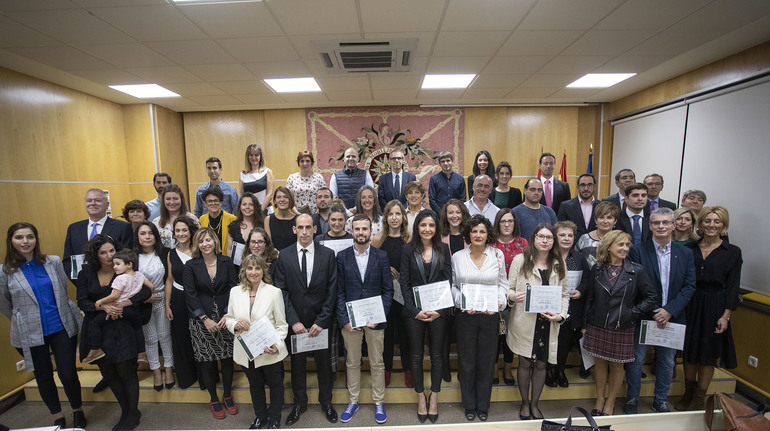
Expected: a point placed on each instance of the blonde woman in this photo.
(684, 226)
(256, 178)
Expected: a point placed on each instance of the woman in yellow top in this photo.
(217, 218)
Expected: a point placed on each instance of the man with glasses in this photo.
(654, 183)
(480, 202)
(580, 209)
(391, 185)
(671, 270)
(531, 213)
(216, 218)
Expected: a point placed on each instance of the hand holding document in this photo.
(433, 296)
(305, 343)
(573, 279)
(261, 334)
(672, 336)
(588, 360)
(337, 244)
(542, 299)
(237, 252)
(367, 311)
(479, 297)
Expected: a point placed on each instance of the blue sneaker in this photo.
(379, 413)
(350, 410)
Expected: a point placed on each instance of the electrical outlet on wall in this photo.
(753, 361)
(20, 366)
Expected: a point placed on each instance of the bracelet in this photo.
(203, 319)
(726, 318)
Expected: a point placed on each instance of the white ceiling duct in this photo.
(396, 55)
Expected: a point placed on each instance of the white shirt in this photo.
(631, 215)
(543, 180)
(664, 266)
(362, 260)
(310, 256)
(99, 226)
(400, 184)
(492, 272)
(489, 211)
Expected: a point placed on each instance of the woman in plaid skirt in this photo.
(618, 292)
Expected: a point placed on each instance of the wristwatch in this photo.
(203, 319)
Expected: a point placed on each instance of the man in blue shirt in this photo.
(214, 171)
(446, 184)
(159, 181)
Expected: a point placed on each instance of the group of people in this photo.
(185, 286)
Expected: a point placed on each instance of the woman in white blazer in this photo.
(33, 296)
(535, 336)
(250, 301)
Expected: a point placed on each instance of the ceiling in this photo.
(524, 51)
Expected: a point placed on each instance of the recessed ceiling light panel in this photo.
(293, 85)
(145, 91)
(600, 80)
(447, 81)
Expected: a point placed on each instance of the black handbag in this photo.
(555, 426)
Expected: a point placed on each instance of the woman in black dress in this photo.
(208, 277)
(176, 306)
(708, 339)
(454, 217)
(391, 240)
(425, 260)
(483, 165)
(120, 340)
(280, 225)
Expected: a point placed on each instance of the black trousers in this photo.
(184, 359)
(124, 383)
(567, 337)
(396, 331)
(476, 350)
(299, 377)
(436, 339)
(272, 375)
(63, 348)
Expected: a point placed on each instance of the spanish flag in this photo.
(563, 170)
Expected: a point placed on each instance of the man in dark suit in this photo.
(79, 233)
(672, 271)
(307, 274)
(654, 183)
(623, 179)
(554, 191)
(391, 185)
(634, 220)
(354, 265)
(580, 209)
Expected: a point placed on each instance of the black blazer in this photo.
(615, 199)
(619, 307)
(624, 224)
(561, 193)
(514, 198)
(77, 238)
(570, 210)
(413, 274)
(385, 192)
(314, 303)
(201, 293)
(379, 281)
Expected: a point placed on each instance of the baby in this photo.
(127, 284)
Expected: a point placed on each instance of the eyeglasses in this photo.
(257, 242)
(212, 202)
(544, 237)
(660, 223)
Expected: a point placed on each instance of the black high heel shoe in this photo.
(422, 417)
(522, 416)
(170, 384)
(433, 417)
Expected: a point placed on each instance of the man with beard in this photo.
(159, 181)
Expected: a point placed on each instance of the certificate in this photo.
(434, 296)
(237, 252)
(672, 336)
(261, 334)
(541, 299)
(398, 296)
(573, 279)
(367, 311)
(77, 261)
(305, 343)
(337, 244)
(588, 360)
(479, 297)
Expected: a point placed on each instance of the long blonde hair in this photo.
(603, 249)
(253, 259)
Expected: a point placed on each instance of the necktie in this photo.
(653, 205)
(637, 229)
(93, 231)
(548, 197)
(397, 187)
(304, 265)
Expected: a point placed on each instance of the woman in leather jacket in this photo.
(618, 293)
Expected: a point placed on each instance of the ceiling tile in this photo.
(216, 100)
(468, 43)
(724, 15)
(464, 15)
(165, 74)
(499, 81)
(531, 94)
(127, 55)
(575, 93)
(523, 64)
(304, 97)
(233, 20)
(400, 15)
(349, 96)
(424, 44)
(567, 15)
(104, 3)
(62, 57)
(649, 14)
(539, 42)
(279, 69)
(632, 63)
(392, 82)
(442, 65)
(192, 52)
(306, 50)
(71, 26)
(406, 95)
(607, 42)
(195, 89)
(672, 42)
(577, 64)
(13, 34)
(242, 87)
(298, 17)
(485, 93)
(18, 5)
(150, 23)
(438, 96)
(111, 77)
(343, 83)
(256, 99)
(220, 72)
(548, 81)
(254, 49)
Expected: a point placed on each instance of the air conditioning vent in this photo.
(367, 56)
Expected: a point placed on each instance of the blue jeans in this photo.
(664, 369)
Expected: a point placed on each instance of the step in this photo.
(397, 392)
